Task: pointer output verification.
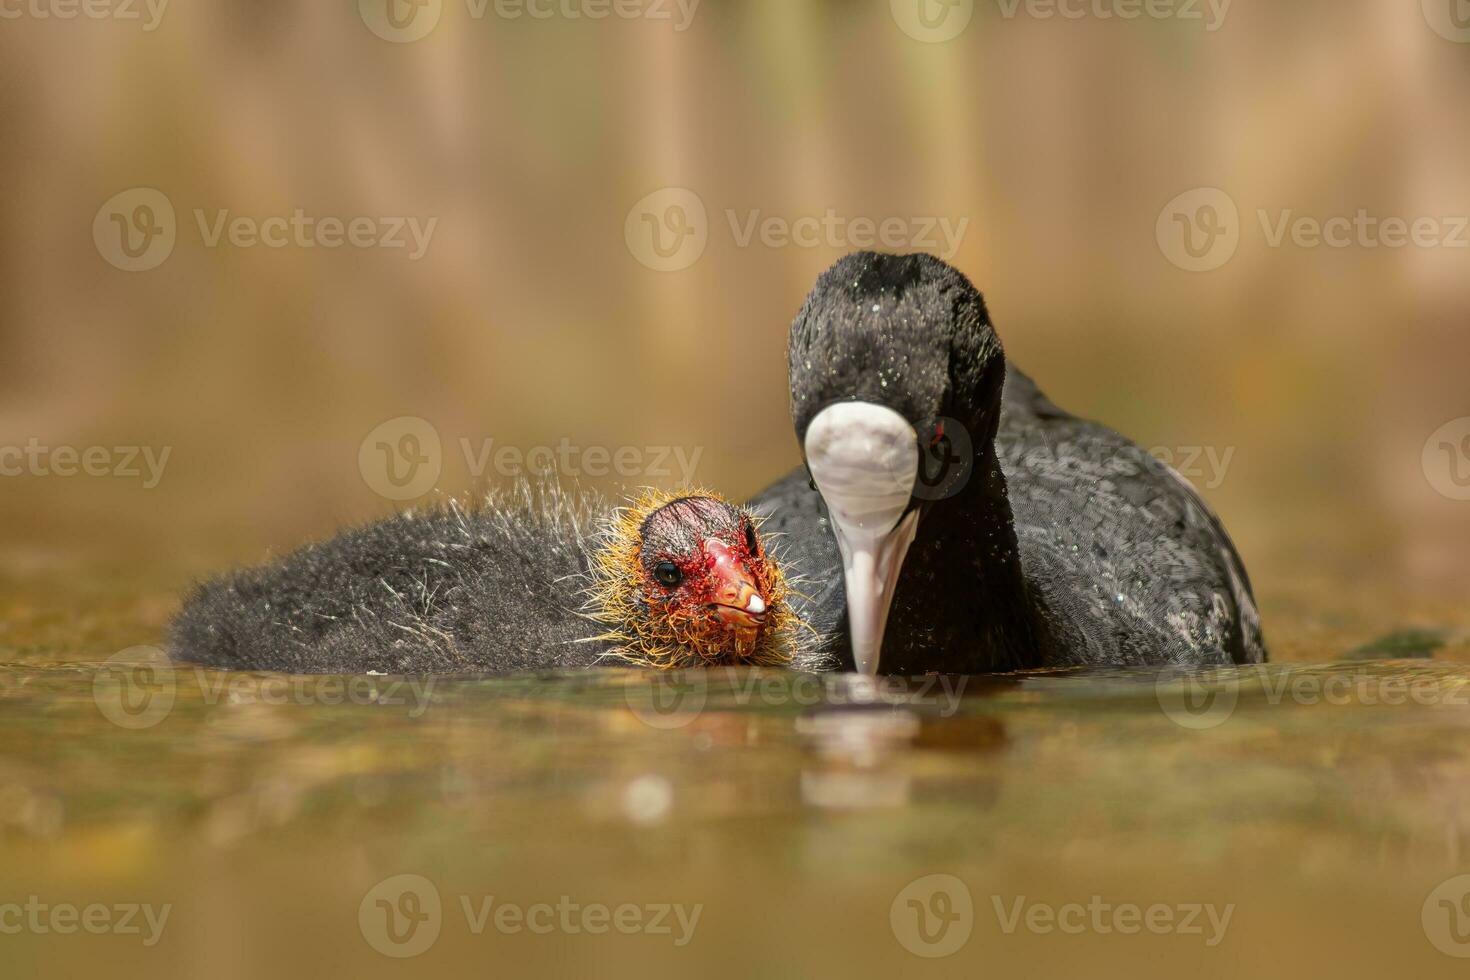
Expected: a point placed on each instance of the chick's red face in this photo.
(703, 562)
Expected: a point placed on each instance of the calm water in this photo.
(1303, 819)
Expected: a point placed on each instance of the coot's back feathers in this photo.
(1130, 563)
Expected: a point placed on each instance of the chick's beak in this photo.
(738, 603)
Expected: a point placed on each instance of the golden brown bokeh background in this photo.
(1321, 371)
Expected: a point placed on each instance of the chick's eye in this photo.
(750, 542)
(667, 574)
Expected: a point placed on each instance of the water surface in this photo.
(1301, 818)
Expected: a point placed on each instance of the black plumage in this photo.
(458, 588)
(519, 581)
(1066, 544)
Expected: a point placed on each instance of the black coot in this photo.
(967, 524)
(531, 580)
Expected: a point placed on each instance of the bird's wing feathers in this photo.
(1131, 563)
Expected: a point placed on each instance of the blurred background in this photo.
(577, 223)
(274, 267)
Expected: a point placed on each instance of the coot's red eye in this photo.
(667, 574)
(750, 542)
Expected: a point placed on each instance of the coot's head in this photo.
(896, 380)
(687, 581)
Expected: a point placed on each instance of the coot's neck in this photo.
(962, 604)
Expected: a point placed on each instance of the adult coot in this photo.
(531, 579)
(967, 524)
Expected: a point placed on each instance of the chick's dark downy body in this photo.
(491, 587)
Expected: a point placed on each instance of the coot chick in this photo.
(974, 525)
(525, 580)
